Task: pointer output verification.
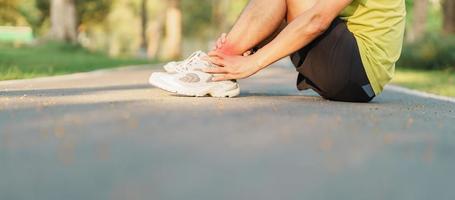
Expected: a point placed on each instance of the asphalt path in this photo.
(109, 135)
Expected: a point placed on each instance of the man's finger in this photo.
(219, 44)
(220, 41)
(206, 59)
(223, 78)
(217, 61)
(214, 70)
(216, 54)
(223, 38)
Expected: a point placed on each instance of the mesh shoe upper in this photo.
(197, 60)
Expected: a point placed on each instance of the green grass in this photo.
(54, 59)
(436, 82)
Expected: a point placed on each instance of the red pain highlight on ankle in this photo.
(228, 50)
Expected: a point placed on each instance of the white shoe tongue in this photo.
(201, 61)
(202, 54)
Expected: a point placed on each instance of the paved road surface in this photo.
(108, 135)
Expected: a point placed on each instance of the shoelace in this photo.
(195, 57)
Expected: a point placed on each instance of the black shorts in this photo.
(331, 65)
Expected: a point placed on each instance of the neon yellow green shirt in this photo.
(378, 26)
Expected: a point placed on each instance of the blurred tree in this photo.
(63, 20)
(9, 14)
(31, 11)
(123, 28)
(18, 12)
(197, 18)
(219, 14)
(144, 23)
(92, 11)
(172, 46)
(449, 16)
(86, 12)
(154, 28)
(417, 30)
(154, 33)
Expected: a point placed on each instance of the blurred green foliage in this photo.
(53, 59)
(35, 13)
(197, 22)
(433, 52)
(117, 22)
(92, 11)
(19, 13)
(113, 26)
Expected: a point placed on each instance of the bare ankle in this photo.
(230, 49)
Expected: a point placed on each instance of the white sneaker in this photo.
(170, 66)
(195, 61)
(194, 83)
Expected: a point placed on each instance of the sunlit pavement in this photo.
(108, 135)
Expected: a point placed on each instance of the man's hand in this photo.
(232, 67)
(222, 40)
(301, 31)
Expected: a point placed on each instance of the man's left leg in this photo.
(261, 20)
(332, 66)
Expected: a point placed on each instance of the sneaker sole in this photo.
(213, 92)
(161, 85)
(200, 92)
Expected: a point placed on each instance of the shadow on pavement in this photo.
(70, 91)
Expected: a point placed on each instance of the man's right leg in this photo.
(261, 21)
(294, 9)
(258, 21)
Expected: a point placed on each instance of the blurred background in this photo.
(49, 37)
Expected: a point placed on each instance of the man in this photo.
(345, 50)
